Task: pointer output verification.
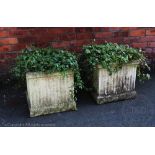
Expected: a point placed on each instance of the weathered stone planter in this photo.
(118, 86)
(50, 93)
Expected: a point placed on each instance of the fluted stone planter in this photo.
(50, 93)
(118, 86)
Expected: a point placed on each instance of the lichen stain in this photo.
(118, 86)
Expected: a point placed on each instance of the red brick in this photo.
(97, 29)
(5, 48)
(18, 47)
(146, 38)
(139, 45)
(8, 55)
(115, 40)
(26, 39)
(46, 38)
(140, 32)
(61, 30)
(71, 36)
(150, 32)
(125, 34)
(42, 44)
(7, 41)
(133, 28)
(100, 41)
(151, 44)
(2, 28)
(38, 31)
(103, 34)
(8, 28)
(83, 29)
(4, 34)
(19, 33)
(121, 34)
(61, 44)
(84, 36)
(40, 36)
(117, 34)
(126, 40)
(112, 40)
(118, 40)
(1, 56)
(130, 39)
(125, 28)
(115, 28)
(25, 28)
(79, 43)
(105, 29)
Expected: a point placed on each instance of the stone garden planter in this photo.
(118, 86)
(50, 93)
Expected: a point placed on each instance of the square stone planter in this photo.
(118, 86)
(50, 93)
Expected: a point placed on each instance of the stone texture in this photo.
(118, 86)
(50, 93)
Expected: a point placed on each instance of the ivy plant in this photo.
(112, 57)
(47, 60)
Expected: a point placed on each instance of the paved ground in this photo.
(138, 112)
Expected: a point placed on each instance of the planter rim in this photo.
(30, 75)
(131, 63)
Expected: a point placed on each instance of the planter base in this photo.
(114, 97)
(37, 111)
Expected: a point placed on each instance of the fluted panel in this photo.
(107, 85)
(50, 93)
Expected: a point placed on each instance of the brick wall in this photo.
(12, 40)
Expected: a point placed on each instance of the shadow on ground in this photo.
(138, 112)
